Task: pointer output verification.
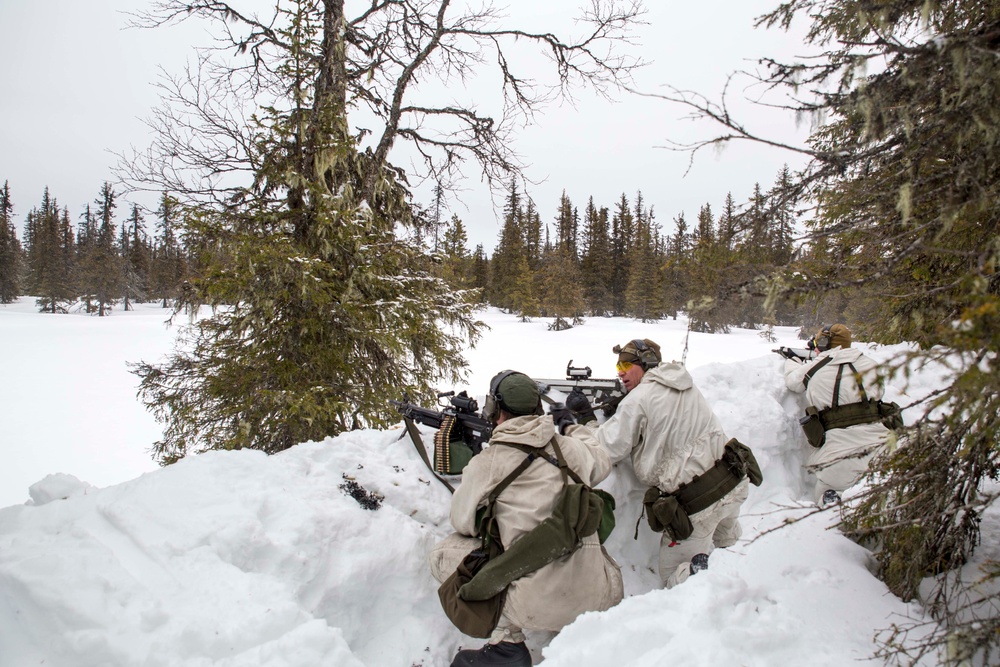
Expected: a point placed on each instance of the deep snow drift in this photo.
(236, 558)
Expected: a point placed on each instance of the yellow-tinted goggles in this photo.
(623, 366)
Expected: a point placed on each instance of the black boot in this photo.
(830, 497)
(504, 654)
(699, 562)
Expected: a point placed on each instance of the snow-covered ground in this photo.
(236, 558)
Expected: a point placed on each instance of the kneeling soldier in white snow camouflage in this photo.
(554, 594)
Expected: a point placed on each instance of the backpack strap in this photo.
(505, 482)
(559, 461)
(812, 371)
(857, 378)
(563, 466)
(861, 387)
(489, 530)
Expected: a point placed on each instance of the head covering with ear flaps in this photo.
(516, 393)
(644, 352)
(840, 336)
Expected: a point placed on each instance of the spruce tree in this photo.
(86, 262)
(676, 270)
(622, 240)
(595, 260)
(531, 227)
(10, 250)
(168, 265)
(135, 253)
(906, 187)
(105, 269)
(326, 311)
(643, 292)
(706, 271)
(480, 272)
(50, 256)
(561, 295)
(456, 262)
(510, 258)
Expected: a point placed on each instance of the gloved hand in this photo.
(612, 406)
(561, 417)
(578, 403)
(787, 353)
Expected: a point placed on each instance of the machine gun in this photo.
(461, 430)
(800, 353)
(603, 393)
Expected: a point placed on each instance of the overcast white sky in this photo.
(76, 85)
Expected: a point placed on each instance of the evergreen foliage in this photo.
(595, 260)
(169, 266)
(561, 282)
(50, 249)
(904, 246)
(105, 270)
(622, 231)
(135, 258)
(320, 309)
(10, 249)
(643, 294)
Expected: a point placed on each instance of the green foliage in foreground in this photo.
(907, 182)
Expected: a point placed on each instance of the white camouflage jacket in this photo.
(840, 442)
(585, 580)
(668, 428)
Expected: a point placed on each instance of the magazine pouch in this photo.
(812, 426)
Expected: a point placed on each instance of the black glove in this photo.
(561, 417)
(612, 406)
(578, 403)
(786, 353)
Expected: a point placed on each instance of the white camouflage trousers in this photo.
(718, 526)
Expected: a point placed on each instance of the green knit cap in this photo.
(518, 395)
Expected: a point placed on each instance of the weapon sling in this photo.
(418, 443)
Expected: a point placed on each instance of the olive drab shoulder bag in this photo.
(478, 618)
(474, 595)
(578, 513)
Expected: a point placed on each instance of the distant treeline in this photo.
(101, 263)
(618, 261)
(614, 261)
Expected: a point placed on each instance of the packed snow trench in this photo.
(317, 555)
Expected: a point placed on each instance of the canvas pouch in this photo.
(476, 618)
(812, 426)
(665, 514)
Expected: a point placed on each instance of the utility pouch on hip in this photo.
(891, 415)
(812, 426)
(742, 462)
(665, 514)
(476, 618)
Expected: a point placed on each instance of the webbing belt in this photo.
(864, 411)
(707, 488)
(850, 414)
